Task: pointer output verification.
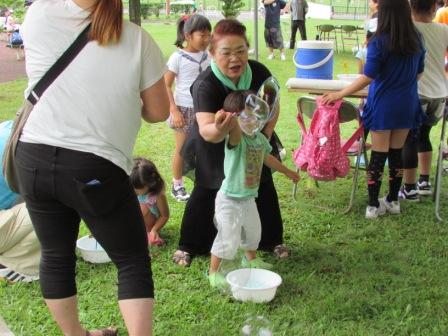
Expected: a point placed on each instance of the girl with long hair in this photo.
(395, 61)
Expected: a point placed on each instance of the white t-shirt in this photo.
(94, 105)
(362, 54)
(186, 73)
(433, 83)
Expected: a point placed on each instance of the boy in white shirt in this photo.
(432, 89)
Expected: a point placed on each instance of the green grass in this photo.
(346, 275)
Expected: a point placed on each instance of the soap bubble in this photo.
(257, 326)
(270, 93)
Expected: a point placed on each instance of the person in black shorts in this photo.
(272, 30)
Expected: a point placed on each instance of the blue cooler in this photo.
(314, 59)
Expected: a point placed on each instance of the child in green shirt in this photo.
(236, 214)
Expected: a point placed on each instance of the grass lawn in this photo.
(346, 275)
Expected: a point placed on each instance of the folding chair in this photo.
(348, 112)
(438, 180)
(349, 36)
(328, 33)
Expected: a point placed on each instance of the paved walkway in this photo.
(4, 331)
(10, 68)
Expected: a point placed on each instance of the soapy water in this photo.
(257, 326)
(254, 284)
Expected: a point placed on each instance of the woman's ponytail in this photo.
(107, 21)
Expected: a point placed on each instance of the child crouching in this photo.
(150, 189)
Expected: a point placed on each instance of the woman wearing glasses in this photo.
(230, 70)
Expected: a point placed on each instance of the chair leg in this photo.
(438, 181)
(294, 188)
(355, 177)
(336, 41)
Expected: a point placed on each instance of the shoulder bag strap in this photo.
(61, 64)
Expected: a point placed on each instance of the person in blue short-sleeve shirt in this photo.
(395, 61)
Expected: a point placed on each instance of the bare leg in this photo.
(380, 140)
(424, 160)
(214, 264)
(150, 220)
(410, 176)
(65, 313)
(137, 315)
(251, 255)
(398, 137)
(179, 138)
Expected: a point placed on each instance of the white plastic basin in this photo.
(251, 284)
(91, 250)
(348, 77)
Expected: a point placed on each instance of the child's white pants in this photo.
(238, 224)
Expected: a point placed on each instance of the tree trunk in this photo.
(168, 7)
(134, 12)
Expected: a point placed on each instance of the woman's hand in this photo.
(177, 119)
(331, 97)
(223, 121)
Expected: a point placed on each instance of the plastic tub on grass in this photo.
(255, 285)
(91, 250)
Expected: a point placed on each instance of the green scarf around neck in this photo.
(244, 82)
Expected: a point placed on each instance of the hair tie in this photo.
(185, 18)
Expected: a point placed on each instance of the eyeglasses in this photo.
(227, 53)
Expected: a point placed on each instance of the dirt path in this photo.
(10, 68)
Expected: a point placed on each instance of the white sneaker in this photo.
(424, 188)
(391, 207)
(283, 57)
(13, 276)
(373, 212)
(271, 57)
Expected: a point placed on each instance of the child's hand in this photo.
(154, 238)
(177, 119)
(292, 175)
(223, 121)
(331, 97)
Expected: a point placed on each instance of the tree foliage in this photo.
(231, 8)
(17, 6)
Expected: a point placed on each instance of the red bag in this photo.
(321, 154)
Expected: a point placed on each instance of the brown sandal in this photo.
(281, 251)
(182, 258)
(105, 332)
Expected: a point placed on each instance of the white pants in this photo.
(19, 247)
(238, 224)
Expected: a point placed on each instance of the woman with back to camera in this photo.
(230, 70)
(75, 152)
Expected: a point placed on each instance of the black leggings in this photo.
(416, 142)
(198, 229)
(55, 185)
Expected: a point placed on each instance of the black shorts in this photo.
(273, 38)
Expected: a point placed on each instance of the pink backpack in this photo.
(321, 154)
